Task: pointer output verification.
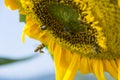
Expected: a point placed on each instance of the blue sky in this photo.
(10, 32)
(11, 46)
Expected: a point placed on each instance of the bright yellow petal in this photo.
(84, 65)
(23, 37)
(110, 68)
(11, 4)
(119, 70)
(98, 69)
(119, 3)
(63, 60)
(51, 45)
(72, 69)
(60, 70)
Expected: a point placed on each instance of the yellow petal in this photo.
(51, 45)
(59, 68)
(84, 65)
(98, 69)
(114, 65)
(119, 3)
(23, 37)
(72, 69)
(62, 59)
(118, 69)
(110, 69)
(11, 4)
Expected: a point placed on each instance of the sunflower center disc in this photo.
(67, 16)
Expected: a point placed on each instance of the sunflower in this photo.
(81, 35)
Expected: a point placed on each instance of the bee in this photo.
(39, 48)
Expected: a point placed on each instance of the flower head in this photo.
(80, 34)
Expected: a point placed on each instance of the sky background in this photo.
(11, 46)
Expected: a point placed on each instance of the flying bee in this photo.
(39, 48)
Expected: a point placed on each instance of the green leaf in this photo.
(22, 18)
(4, 61)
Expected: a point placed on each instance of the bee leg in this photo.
(41, 51)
